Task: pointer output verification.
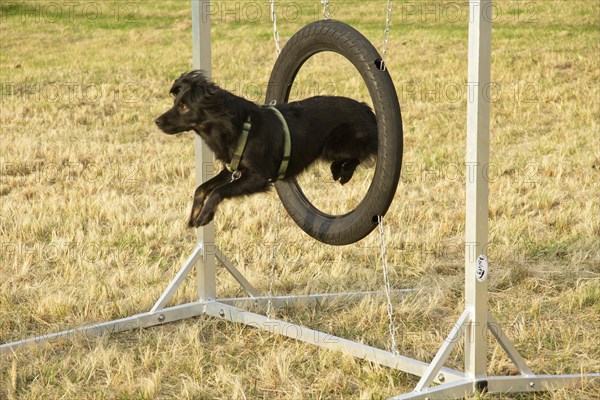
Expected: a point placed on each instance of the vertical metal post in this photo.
(206, 275)
(477, 163)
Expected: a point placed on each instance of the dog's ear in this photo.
(202, 89)
(194, 86)
(205, 90)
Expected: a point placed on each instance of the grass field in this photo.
(94, 200)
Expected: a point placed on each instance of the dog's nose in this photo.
(158, 121)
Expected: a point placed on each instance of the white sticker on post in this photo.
(482, 268)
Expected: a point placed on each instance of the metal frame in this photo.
(472, 324)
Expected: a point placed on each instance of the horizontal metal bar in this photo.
(142, 320)
(502, 384)
(452, 390)
(324, 340)
(284, 301)
(536, 383)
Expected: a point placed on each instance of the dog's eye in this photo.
(183, 108)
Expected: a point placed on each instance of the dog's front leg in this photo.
(204, 190)
(248, 183)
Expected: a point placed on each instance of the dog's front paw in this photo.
(204, 218)
(201, 220)
(196, 211)
(191, 223)
(203, 214)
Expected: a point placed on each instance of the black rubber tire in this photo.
(338, 37)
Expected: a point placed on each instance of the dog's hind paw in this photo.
(336, 170)
(343, 171)
(345, 178)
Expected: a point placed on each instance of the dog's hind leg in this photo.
(346, 147)
(248, 183)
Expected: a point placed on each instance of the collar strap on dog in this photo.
(241, 145)
(287, 146)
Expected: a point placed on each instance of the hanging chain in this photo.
(326, 10)
(275, 31)
(276, 238)
(273, 259)
(386, 279)
(386, 34)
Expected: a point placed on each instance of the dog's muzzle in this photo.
(163, 124)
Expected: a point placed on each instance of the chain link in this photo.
(326, 10)
(275, 31)
(273, 259)
(388, 290)
(386, 34)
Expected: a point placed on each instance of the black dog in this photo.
(337, 129)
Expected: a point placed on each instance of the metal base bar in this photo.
(325, 340)
(454, 390)
(136, 321)
(501, 384)
(188, 310)
(537, 383)
(298, 300)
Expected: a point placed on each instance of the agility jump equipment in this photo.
(473, 322)
(335, 36)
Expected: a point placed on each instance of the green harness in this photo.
(241, 145)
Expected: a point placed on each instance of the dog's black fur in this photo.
(337, 129)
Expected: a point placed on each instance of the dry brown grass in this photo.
(94, 201)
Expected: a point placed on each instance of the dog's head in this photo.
(193, 96)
